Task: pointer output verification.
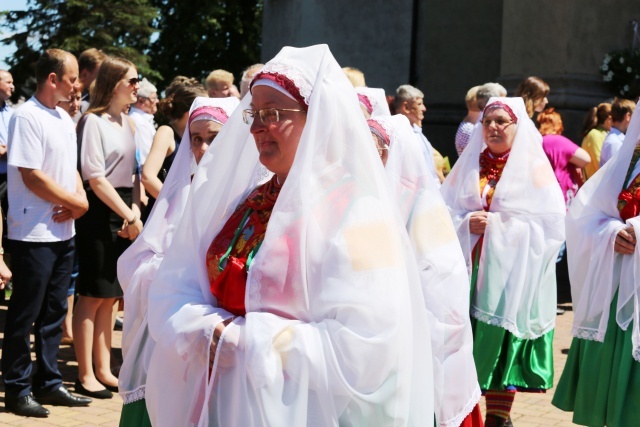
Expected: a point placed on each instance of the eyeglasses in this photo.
(500, 123)
(268, 116)
(134, 81)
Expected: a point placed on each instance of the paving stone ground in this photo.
(530, 410)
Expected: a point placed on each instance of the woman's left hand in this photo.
(215, 340)
(625, 242)
(478, 222)
(134, 228)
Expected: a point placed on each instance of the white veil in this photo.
(595, 270)
(138, 265)
(378, 100)
(516, 286)
(334, 331)
(443, 274)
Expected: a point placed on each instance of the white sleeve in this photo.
(92, 163)
(25, 143)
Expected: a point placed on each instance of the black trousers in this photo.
(41, 278)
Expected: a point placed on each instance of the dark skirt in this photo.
(99, 247)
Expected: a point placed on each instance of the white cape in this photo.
(595, 269)
(516, 284)
(334, 328)
(138, 265)
(443, 274)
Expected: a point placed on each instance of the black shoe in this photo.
(113, 388)
(62, 397)
(100, 394)
(508, 423)
(26, 406)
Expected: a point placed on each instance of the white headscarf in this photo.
(595, 270)
(377, 99)
(516, 285)
(443, 274)
(139, 263)
(334, 330)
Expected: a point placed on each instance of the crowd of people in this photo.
(296, 252)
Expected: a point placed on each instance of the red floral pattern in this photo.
(228, 286)
(491, 168)
(629, 198)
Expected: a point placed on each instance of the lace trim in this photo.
(457, 420)
(588, 334)
(133, 396)
(510, 326)
(301, 84)
(391, 130)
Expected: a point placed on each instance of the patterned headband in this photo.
(502, 105)
(377, 129)
(365, 102)
(208, 112)
(283, 81)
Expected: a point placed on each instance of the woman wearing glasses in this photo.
(108, 165)
(509, 212)
(288, 295)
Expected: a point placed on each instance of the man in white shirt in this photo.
(6, 90)
(409, 101)
(45, 197)
(142, 114)
(621, 111)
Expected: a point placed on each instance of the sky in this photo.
(6, 51)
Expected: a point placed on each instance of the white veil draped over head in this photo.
(595, 269)
(334, 330)
(377, 99)
(443, 274)
(138, 265)
(516, 284)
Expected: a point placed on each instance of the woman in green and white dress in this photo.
(601, 380)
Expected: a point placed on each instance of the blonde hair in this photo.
(218, 76)
(355, 76)
(470, 98)
(112, 70)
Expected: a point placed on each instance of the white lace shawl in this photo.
(335, 327)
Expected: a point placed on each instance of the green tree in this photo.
(198, 36)
(118, 27)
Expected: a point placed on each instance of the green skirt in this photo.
(135, 414)
(506, 362)
(601, 380)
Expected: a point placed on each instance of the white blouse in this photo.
(108, 150)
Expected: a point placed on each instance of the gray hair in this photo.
(146, 89)
(247, 76)
(406, 93)
(487, 91)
